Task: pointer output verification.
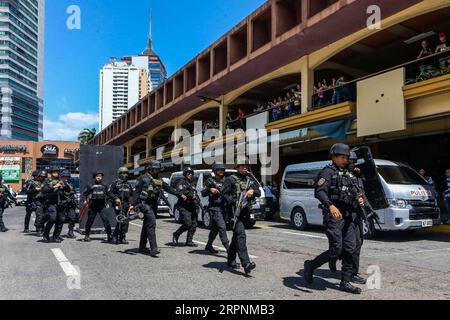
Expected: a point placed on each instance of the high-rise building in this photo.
(119, 90)
(22, 69)
(150, 61)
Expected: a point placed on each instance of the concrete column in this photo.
(128, 146)
(307, 85)
(223, 112)
(148, 146)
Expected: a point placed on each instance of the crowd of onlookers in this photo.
(332, 92)
(445, 187)
(442, 46)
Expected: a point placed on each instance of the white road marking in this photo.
(407, 253)
(201, 243)
(65, 264)
(306, 235)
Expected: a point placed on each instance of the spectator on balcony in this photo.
(343, 87)
(241, 117)
(327, 92)
(289, 104)
(428, 178)
(320, 94)
(297, 100)
(426, 49)
(443, 46)
(336, 92)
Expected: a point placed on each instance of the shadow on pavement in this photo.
(207, 253)
(319, 284)
(223, 266)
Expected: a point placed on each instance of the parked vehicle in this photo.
(162, 206)
(21, 199)
(258, 210)
(402, 199)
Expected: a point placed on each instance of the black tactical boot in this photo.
(308, 272)
(26, 230)
(4, 229)
(233, 265)
(210, 248)
(348, 287)
(124, 240)
(332, 265)
(87, 238)
(46, 238)
(358, 279)
(38, 232)
(175, 238)
(57, 240)
(249, 267)
(154, 253)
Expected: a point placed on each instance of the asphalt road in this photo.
(412, 266)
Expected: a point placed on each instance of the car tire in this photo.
(207, 223)
(298, 219)
(369, 230)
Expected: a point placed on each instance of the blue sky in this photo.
(73, 58)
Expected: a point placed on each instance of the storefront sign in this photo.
(12, 149)
(10, 169)
(71, 151)
(50, 150)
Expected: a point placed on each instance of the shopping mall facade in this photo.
(18, 159)
(392, 101)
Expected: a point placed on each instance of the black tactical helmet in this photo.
(340, 149)
(153, 165)
(53, 169)
(35, 173)
(353, 156)
(43, 174)
(97, 173)
(218, 166)
(65, 174)
(187, 170)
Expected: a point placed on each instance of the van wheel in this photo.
(369, 231)
(207, 220)
(298, 219)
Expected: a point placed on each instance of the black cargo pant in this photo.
(148, 232)
(40, 216)
(341, 236)
(71, 216)
(101, 210)
(238, 244)
(188, 214)
(218, 227)
(121, 229)
(55, 217)
(359, 243)
(30, 207)
(2, 209)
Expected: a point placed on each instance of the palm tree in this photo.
(86, 135)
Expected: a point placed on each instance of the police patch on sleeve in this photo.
(321, 182)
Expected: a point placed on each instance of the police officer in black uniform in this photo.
(52, 189)
(96, 195)
(187, 207)
(32, 188)
(5, 194)
(237, 184)
(67, 197)
(40, 204)
(214, 189)
(148, 191)
(122, 196)
(339, 199)
(361, 219)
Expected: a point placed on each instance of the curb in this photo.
(439, 229)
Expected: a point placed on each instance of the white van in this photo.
(257, 211)
(400, 196)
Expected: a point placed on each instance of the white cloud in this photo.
(69, 125)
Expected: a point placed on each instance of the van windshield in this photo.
(400, 175)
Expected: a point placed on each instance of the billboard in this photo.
(10, 169)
